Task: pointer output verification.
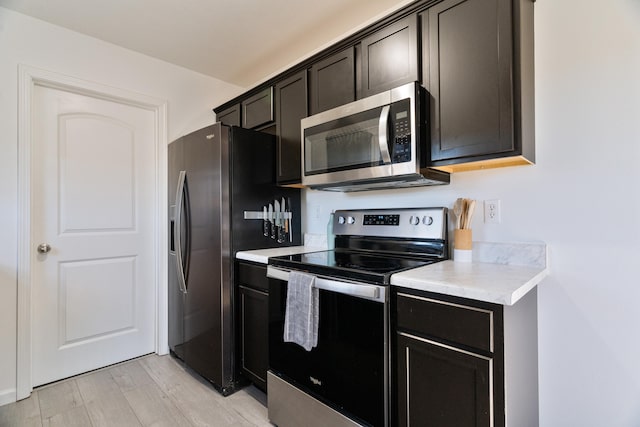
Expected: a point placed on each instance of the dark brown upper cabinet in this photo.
(257, 110)
(230, 116)
(475, 57)
(332, 81)
(390, 56)
(291, 107)
(480, 81)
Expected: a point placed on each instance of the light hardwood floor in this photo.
(148, 391)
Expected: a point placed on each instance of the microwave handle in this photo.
(383, 135)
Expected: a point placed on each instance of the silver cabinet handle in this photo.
(383, 139)
(178, 231)
(43, 248)
(360, 290)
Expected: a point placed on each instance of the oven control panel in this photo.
(381, 219)
(422, 223)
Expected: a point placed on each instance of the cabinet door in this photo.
(230, 116)
(440, 385)
(254, 324)
(469, 78)
(291, 107)
(333, 81)
(257, 110)
(390, 57)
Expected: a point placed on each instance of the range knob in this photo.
(427, 220)
(414, 220)
(351, 220)
(341, 220)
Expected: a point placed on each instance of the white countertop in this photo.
(262, 255)
(505, 273)
(497, 283)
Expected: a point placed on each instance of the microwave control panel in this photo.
(401, 136)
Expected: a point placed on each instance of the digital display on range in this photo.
(382, 220)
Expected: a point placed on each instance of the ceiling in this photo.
(238, 41)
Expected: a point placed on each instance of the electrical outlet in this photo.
(492, 211)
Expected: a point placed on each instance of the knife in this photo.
(265, 222)
(272, 226)
(285, 221)
(290, 222)
(276, 209)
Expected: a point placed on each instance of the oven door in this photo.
(348, 370)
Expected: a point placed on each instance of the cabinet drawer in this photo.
(253, 276)
(446, 321)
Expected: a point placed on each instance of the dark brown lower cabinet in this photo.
(253, 323)
(464, 363)
(442, 385)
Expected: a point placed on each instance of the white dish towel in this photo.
(301, 314)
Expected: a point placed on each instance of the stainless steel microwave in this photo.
(373, 143)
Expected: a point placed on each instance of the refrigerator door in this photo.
(196, 313)
(202, 309)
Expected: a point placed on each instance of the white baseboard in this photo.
(7, 396)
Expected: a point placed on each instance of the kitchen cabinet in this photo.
(291, 106)
(478, 67)
(257, 110)
(445, 354)
(333, 81)
(475, 57)
(230, 116)
(459, 361)
(253, 292)
(446, 386)
(390, 56)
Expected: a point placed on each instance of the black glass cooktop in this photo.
(348, 264)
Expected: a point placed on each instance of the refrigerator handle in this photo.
(178, 230)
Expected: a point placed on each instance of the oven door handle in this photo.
(358, 290)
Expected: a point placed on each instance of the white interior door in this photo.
(93, 181)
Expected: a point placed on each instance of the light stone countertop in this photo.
(496, 283)
(501, 273)
(262, 255)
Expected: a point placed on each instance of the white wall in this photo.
(24, 40)
(582, 198)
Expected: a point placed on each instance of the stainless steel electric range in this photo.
(344, 380)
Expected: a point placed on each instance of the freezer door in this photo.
(175, 294)
(202, 310)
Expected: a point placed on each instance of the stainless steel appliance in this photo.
(221, 180)
(344, 380)
(376, 142)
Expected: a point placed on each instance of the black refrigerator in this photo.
(222, 199)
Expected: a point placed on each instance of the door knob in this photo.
(43, 248)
